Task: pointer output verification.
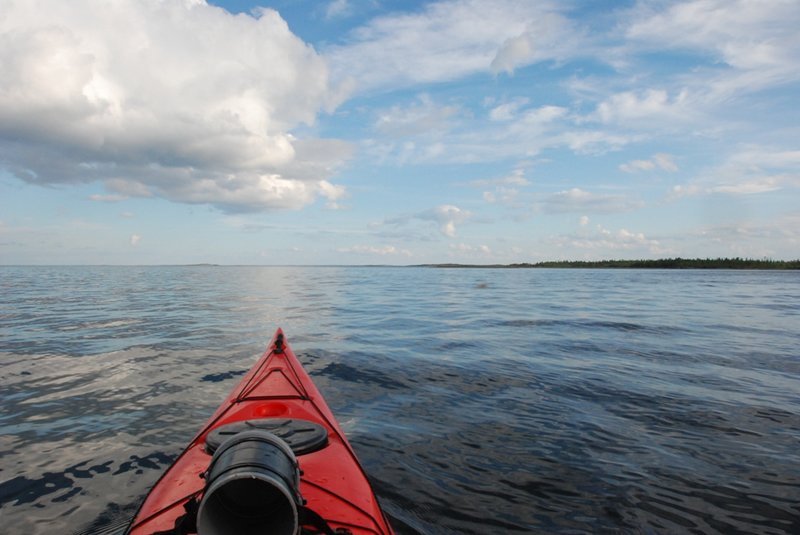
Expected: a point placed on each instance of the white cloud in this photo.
(426, 131)
(515, 51)
(413, 132)
(665, 161)
(724, 53)
(450, 134)
(750, 170)
(135, 239)
(683, 190)
(584, 220)
(742, 33)
(578, 200)
(755, 157)
(638, 165)
(337, 9)
(760, 185)
(113, 197)
(644, 106)
(446, 216)
(450, 39)
(600, 242)
(422, 117)
(516, 178)
(544, 115)
(546, 37)
(508, 110)
(241, 192)
(777, 238)
(125, 188)
(333, 193)
(501, 194)
(592, 141)
(658, 161)
(505, 189)
(177, 99)
(463, 249)
(385, 250)
(753, 44)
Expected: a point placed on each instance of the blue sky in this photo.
(376, 132)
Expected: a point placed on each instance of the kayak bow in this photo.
(271, 459)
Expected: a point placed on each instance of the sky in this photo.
(385, 132)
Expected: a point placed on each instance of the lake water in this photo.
(478, 400)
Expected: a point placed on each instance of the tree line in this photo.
(661, 263)
(673, 263)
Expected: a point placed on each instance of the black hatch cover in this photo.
(302, 436)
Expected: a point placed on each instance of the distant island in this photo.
(664, 263)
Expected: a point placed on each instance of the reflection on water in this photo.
(479, 401)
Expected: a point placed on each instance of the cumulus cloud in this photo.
(177, 99)
(658, 161)
(578, 200)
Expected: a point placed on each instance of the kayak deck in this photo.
(333, 482)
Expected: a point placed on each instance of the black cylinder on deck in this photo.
(252, 486)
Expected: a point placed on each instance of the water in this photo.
(479, 401)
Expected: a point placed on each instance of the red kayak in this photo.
(271, 459)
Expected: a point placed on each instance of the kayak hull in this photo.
(333, 482)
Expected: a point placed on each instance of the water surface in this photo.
(479, 400)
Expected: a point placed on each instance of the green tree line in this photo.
(675, 263)
(662, 263)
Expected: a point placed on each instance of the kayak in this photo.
(271, 459)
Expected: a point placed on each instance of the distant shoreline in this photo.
(666, 263)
